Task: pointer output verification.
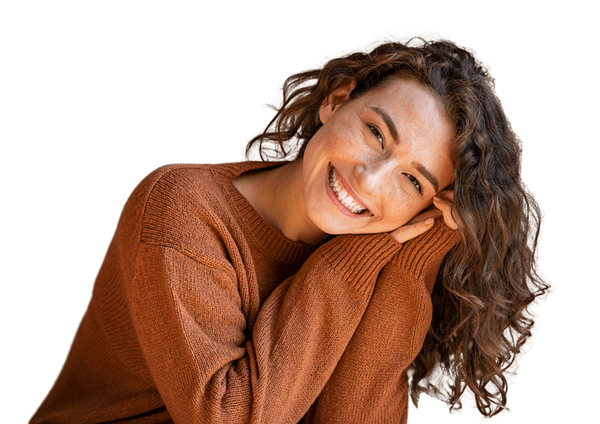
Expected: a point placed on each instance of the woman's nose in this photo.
(373, 178)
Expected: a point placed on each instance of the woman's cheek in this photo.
(402, 207)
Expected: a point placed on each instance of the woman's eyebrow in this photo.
(388, 121)
(430, 177)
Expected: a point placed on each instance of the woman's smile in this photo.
(344, 197)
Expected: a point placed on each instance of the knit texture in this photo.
(203, 313)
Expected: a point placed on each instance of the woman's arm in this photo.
(191, 330)
(369, 383)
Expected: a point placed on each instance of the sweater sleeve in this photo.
(189, 322)
(369, 385)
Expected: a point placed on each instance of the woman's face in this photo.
(388, 151)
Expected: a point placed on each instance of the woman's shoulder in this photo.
(170, 182)
(191, 175)
(179, 204)
(195, 177)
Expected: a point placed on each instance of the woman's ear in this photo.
(335, 99)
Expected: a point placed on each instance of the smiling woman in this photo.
(370, 161)
(321, 289)
(380, 147)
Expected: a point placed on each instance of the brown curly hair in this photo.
(486, 282)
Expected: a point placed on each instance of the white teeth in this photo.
(342, 195)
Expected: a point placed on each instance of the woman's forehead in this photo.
(406, 99)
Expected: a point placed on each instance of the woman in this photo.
(225, 297)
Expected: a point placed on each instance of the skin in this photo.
(380, 167)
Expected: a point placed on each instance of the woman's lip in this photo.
(350, 191)
(339, 204)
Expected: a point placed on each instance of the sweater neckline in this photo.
(273, 243)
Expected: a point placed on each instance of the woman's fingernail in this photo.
(429, 221)
(437, 199)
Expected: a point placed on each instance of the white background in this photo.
(95, 95)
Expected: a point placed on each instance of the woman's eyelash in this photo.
(376, 132)
(414, 182)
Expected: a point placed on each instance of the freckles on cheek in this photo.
(401, 208)
(340, 144)
(345, 136)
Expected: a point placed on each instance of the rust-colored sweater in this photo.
(203, 313)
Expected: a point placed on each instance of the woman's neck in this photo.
(277, 196)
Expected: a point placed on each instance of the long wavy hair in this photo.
(487, 281)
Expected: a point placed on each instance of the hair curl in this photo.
(487, 281)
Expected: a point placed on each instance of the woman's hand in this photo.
(442, 207)
(443, 202)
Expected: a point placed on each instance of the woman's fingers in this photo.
(430, 212)
(410, 231)
(445, 206)
(442, 207)
(447, 194)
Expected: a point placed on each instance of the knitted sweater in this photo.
(203, 313)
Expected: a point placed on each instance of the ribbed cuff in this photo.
(359, 258)
(419, 252)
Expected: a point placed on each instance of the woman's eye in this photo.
(375, 131)
(414, 182)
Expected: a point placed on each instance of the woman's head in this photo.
(484, 152)
(378, 159)
(487, 281)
